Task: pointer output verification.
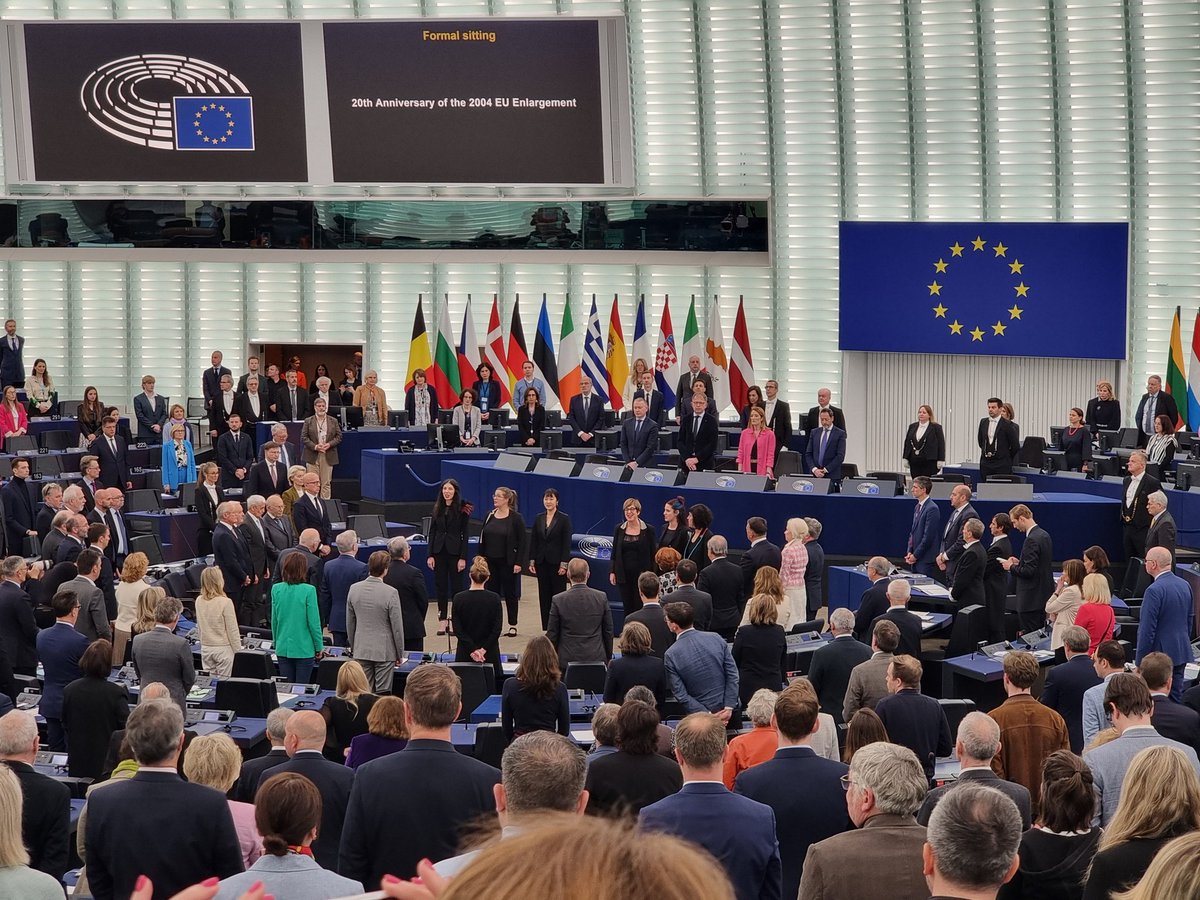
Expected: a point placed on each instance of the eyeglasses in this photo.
(846, 782)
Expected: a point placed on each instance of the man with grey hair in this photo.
(722, 580)
(161, 655)
(74, 498)
(59, 531)
(884, 788)
(604, 727)
(337, 577)
(898, 594)
(1067, 683)
(966, 582)
(252, 769)
(737, 831)
(409, 583)
(540, 772)
(46, 811)
(288, 454)
(1137, 486)
(262, 557)
(868, 680)
(833, 662)
(75, 540)
(580, 621)
(375, 624)
(874, 601)
(232, 556)
(1162, 524)
(1166, 619)
(971, 844)
(134, 828)
(978, 742)
(52, 502)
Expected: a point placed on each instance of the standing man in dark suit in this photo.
(12, 369)
(762, 553)
(581, 626)
(874, 601)
(224, 405)
(133, 828)
(722, 580)
(112, 452)
(412, 805)
(253, 366)
(163, 656)
(1155, 402)
(653, 398)
(212, 379)
(779, 417)
(89, 468)
(1066, 683)
(998, 443)
(1033, 573)
(59, 647)
(1135, 512)
(235, 454)
(652, 616)
(1166, 623)
(304, 740)
(18, 508)
(585, 414)
(826, 450)
(18, 629)
(1161, 532)
(281, 533)
(310, 511)
(698, 433)
(833, 662)
(409, 583)
(52, 502)
(93, 613)
(258, 545)
(639, 437)
(99, 540)
(1171, 718)
(150, 409)
(684, 390)
(252, 769)
(899, 592)
(338, 575)
(812, 421)
(737, 831)
(232, 556)
(292, 401)
(269, 476)
(966, 587)
(912, 719)
(926, 527)
(108, 512)
(813, 807)
(952, 541)
(686, 571)
(46, 810)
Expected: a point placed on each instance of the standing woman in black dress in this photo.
(487, 394)
(995, 579)
(925, 443)
(531, 419)
(550, 552)
(699, 522)
(503, 543)
(208, 497)
(633, 550)
(1076, 440)
(674, 533)
(760, 649)
(448, 545)
(477, 620)
(1103, 410)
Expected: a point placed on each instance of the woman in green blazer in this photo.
(295, 621)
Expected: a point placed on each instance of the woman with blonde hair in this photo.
(17, 879)
(220, 638)
(633, 547)
(1173, 873)
(386, 733)
(295, 491)
(347, 713)
(756, 445)
(209, 496)
(144, 619)
(214, 761)
(1064, 603)
(1096, 614)
(1160, 800)
(793, 568)
(130, 587)
(760, 648)
(768, 581)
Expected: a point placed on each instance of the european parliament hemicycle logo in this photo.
(213, 109)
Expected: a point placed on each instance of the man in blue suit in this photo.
(12, 369)
(150, 409)
(60, 648)
(1067, 683)
(737, 831)
(1167, 617)
(700, 668)
(926, 527)
(653, 398)
(813, 806)
(338, 576)
(585, 414)
(826, 450)
(639, 436)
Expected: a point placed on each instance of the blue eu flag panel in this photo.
(214, 123)
(984, 288)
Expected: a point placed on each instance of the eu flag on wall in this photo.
(984, 289)
(214, 123)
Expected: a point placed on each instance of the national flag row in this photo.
(452, 366)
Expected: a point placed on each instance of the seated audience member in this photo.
(45, 817)
(912, 719)
(868, 680)
(1066, 684)
(1160, 801)
(17, 877)
(347, 711)
(1173, 873)
(215, 761)
(133, 827)
(1128, 702)
(1171, 720)
(604, 728)
(884, 788)
(977, 744)
(812, 807)
(737, 831)
(1057, 852)
(865, 728)
(831, 667)
(252, 769)
(1029, 731)
(760, 649)
(635, 665)
(93, 708)
(540, 772)
(635, 776)
(386, 733)
(535, 698)
(412, 805)
(304, 738)
(1096, 613)
(757, 745)
(1108, 660)
(971, 843)
(700, 668)
(287, 813)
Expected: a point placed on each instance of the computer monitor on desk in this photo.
(1054, 461)
(727, 481)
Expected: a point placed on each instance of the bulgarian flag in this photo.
(1176, 382)
(444, 375)
(418, 349)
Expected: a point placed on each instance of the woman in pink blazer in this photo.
(756, 448)
(14, 420)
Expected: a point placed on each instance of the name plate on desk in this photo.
(870, 487)
(1003, 490)
(657, 476)
(727, 481)
(515, 462)
(800, 484)
(563, 467)
(605, 472)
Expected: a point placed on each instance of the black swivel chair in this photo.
(253, 664)
(327, 672)
(478, 683)
(248, 697)
(588, 676)
(20, 442)
(956, 711)
(367, 526)
(148, 544)
(490, 743)
(969, 629)
(58, 440)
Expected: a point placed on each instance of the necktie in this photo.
(821, 452)
(12, 343)
(271, 468)
(118, 536)
(1148, 423)
(950, 524)
(637, 427)
(236, 435)
(282, 458)
(293, 403)
(112, 442)
(696, 426)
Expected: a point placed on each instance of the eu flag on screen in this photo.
(984, 289)
(214, 123)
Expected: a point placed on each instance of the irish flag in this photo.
(692, 344)
(570, 358)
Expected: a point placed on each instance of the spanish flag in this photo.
(617, 361)
(418, 350)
